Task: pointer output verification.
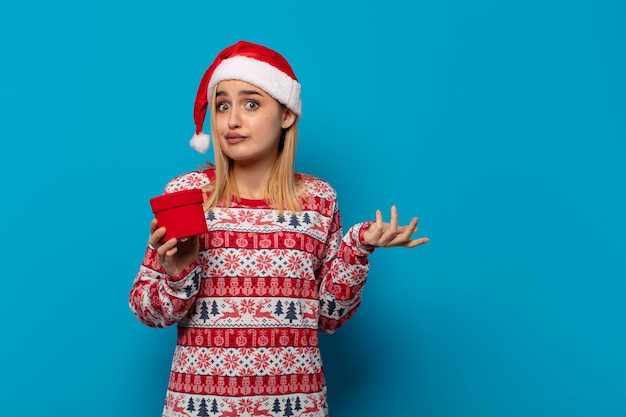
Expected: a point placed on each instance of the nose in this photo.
(234, 118)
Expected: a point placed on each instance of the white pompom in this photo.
(200, 142)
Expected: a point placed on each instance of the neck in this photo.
(250, 180)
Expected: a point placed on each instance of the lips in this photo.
(234, 138)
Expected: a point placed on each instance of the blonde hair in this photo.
(281, 189)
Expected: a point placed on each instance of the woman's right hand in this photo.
(174, 255)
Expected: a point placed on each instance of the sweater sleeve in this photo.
(343, 274)
(157, 299)
(160, 300)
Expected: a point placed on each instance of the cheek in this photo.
(277, 131)
(220, 121)
(268, 125)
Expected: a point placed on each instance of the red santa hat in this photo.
(254, 64)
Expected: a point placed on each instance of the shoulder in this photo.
(189, 180)
(316, 187)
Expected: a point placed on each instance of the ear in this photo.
(289, 118)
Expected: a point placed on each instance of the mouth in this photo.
(234, 138)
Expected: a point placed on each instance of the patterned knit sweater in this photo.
(249, 309)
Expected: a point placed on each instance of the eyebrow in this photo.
(220, 93)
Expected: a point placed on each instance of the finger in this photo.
(394, 218)
(417, 242)
(377, 227)
(405, 232)
(156, 236)
(170, 253)
(154, 224)
(390, 230)
(165, 247)
(403, 237)
(379, 220)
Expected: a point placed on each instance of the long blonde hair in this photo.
(281, 190)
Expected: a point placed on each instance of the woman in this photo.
(274, 268)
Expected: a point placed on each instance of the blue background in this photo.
(500, 124)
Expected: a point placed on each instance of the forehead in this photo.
(237, 87)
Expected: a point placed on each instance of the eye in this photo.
(251, 105)
(222, 106)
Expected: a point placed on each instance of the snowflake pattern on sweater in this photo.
(249, 309)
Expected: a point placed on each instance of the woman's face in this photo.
(249, 122)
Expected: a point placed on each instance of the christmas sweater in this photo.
(248, 311)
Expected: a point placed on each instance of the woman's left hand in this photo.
(381, 234)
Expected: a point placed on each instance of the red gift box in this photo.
(181, 213)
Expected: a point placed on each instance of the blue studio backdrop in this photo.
(502, 125)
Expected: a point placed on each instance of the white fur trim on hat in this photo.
(200, 142)
(261, 74)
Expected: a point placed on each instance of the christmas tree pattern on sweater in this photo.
(249, 309)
